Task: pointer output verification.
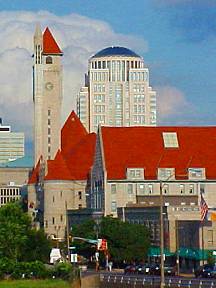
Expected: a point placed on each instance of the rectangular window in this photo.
(53, 220)
(210, 237)
(170, 140)
(182, 188)
(80, 195)
(61, 218)
(49, 121)
(166, 173)
(191, 189)
(113, 188)
(196, 173)
(135, 173)
(141, 189)
(113, 206)
(150, 188)
(130, 189)
(165, 189)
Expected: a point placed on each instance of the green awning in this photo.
(194, 254)
(155, 252)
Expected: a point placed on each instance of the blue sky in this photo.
(180, 38)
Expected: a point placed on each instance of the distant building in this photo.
(11, 144)
(47, 95)
(117, 91)
(14, 177)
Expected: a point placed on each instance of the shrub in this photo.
(6, 266)
(63, 270)
(29, 270)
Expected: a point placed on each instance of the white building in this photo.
(11, 144)
(117, 91)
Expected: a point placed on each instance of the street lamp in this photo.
(162, 282)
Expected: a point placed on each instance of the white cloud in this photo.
(78, 36)
(172, 102)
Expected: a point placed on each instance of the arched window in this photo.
(48, 60)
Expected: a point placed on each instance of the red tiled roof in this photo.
(49, 44)
(35, 174)
(71, 134)
(81, 158)
(57, 169)
(143, 147)
(77, 154)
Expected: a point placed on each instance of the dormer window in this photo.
(170, 140)
(48, 60)
(166, 174)
(196, 173)
(135, 173)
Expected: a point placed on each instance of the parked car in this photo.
(205, 271)
(143, 268)
(130, 269)
(169, 270)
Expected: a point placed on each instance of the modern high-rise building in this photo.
(117, 91)
(47, 95)
(11, 144)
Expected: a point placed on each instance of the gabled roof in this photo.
(49, 44)
(75, 159)
(72, 133)
(143, 147)
(81, 157)
(57, 169)
(35, 173)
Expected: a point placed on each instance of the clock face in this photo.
(49, 86)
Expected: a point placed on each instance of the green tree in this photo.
(14, 227)
(18, 240)
(84, 230)
(125, 241)
(37, 246)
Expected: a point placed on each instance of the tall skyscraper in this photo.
(47, 94)
(11, 144)
(117, 91)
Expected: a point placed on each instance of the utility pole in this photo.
(67, 233)
(177, 245)
(162, 284)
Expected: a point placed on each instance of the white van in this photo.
(55, 255)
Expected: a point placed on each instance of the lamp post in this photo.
(177, 245)
(162, 283)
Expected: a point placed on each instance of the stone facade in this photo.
(47, 95)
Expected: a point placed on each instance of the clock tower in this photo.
(47, 95)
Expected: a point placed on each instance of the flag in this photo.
(203, 208)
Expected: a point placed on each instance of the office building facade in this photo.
(117, 91)
(11, 144)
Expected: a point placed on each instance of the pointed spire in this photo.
(38, 34)
(49, 44)
(72, 132)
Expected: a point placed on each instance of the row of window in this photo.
(107, 64)
(5, 200)
(165, 173)
(142, 189)
(9, 191)
(99, 88)
(139, 76)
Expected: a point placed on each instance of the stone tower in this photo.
(47, 95)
